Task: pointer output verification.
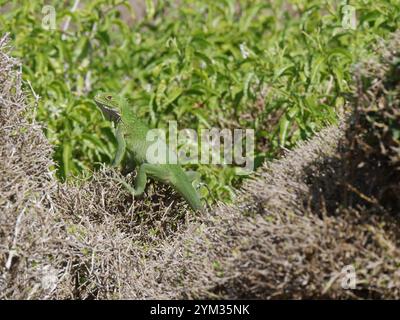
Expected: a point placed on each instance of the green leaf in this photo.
(284, 124)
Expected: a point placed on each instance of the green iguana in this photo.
(132, 148)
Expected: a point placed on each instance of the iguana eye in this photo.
(109, 97)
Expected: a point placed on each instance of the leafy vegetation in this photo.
(279, 67)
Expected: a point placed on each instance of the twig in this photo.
(13, 252)
(35, 95)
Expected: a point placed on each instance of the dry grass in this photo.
(29, 232)
(329, 203)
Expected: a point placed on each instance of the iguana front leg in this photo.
(119, 156)
(121, 147)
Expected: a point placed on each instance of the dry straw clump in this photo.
(29, 233)
(331, 203)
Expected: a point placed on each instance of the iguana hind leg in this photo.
(145, 169)
(140, 180)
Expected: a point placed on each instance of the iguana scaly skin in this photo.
(132, 147)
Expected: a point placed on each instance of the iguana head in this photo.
(109, 105)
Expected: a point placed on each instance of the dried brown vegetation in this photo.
(329, 203)
(30, 233)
